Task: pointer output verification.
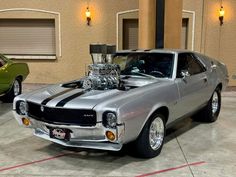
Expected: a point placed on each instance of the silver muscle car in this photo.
(129, 97)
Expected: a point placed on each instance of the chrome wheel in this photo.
(156, 133)
(16, 87)
(215, 103)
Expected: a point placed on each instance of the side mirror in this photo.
(135, 70)
(185, 74)
(213, 66)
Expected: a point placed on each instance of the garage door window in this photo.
(28, 37)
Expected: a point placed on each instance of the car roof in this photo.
(173, 51)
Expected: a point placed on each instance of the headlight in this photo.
(21, 107)
(109, 119)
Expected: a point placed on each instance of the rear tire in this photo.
(151, 139)
(211, 112)
(15, 90)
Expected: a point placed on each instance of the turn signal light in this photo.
(110, 135)
(25, 121)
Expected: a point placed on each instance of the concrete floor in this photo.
(191, 149)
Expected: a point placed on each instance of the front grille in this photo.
(62, 116)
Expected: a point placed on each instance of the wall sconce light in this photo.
(88, 16)
(221, 15)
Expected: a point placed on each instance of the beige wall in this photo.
(173, 23)
(221, 41)
(75, 34)
(147, 24)
(211, 38)
(228, 38)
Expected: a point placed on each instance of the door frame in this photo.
(120, 16)
(134, 14)
(191, 16)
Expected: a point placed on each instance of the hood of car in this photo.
(73, 98)
(59, 96)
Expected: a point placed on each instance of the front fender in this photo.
(134, 107)
(136, 120)
(136, 112)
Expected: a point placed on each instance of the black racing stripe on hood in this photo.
(44, 102)
(66, 100)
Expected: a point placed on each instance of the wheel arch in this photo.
(19, 77)
(162, 110)
(13, 80)
(220, 86)
(141, 144)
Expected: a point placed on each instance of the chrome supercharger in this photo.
(102, 74)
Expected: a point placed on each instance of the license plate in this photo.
(60, 133)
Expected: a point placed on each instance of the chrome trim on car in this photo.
(156, 133)
(82, 144)
(87, 137)
(215, 103)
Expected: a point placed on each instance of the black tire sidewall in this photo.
(143, 147)
(216, 114)
(9, 97)
(20, 87)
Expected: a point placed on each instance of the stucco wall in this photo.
(227, 38)
(75, 34)
(211, 38)
(173, 23)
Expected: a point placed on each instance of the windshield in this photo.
(158, 65)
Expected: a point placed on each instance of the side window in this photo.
(195, 67)
(186, 61)
(182, 64)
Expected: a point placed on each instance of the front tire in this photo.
(15, 90)
(151, 139)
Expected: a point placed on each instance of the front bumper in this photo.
(83, 137)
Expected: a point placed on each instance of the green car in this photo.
(11, 76)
